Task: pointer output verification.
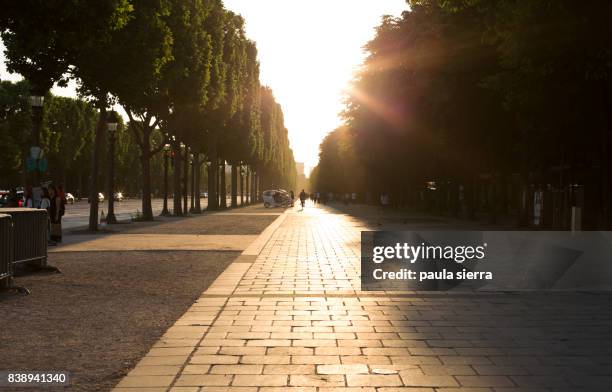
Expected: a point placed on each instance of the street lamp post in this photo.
(165, 211)
(112, 123)
(36, 101)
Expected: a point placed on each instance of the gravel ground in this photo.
(106, 309)
(205, 224)
(102, 313)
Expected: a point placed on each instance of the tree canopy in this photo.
(481, 105)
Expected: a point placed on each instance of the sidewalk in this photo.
(288, 315)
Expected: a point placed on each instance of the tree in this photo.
(478, 103)
(140, 53)
(242, 140)
(188, 76)
(41, 48)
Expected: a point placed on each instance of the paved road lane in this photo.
(77, 214)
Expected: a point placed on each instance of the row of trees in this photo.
(66, 138)
(184, 72)
(500, 106)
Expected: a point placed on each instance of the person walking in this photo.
(292, 198)
(45, 204)
(303, 198)
(384, 200)
(62, 195)
(28, 198)
(56, 208)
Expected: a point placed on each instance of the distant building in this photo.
(300, 181)
(300, 168)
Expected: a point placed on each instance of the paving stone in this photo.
(145, 381)
(289, 369)
(373, 380)
(236, 369)
(203, 380)
(154, 370)
(196, 369)
(485, 381)
(342, 369)
(290, 316)
(412, 379)
(319, 380)
(214, 359)
(266, 359)
(260, 380)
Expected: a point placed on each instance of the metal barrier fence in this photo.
(30, 234)
(6, 250)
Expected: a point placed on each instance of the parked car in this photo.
(276, 198)
(4, 199)
(100, 198)
(118, 196)
(3, 194)
(69, 198)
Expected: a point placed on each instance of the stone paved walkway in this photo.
(288, 315)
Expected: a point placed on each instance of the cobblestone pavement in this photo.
(288, 315)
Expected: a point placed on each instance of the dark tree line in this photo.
(499, 107)
(67, 133)
(184, 72)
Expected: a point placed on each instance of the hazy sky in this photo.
(308, 52)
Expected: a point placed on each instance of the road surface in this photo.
(77, 214)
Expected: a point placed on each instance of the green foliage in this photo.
(455, 90)
(41, 37)
(186, 68)
(15, 125)
(67, 132)
(278, 162)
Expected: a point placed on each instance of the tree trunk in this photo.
(196, 179)
(177, 209)
(95, 160)
(212, 172)
(185, 180)
(248, 185)
(223, 185)
(193, 183)
(147, 211)
(241, 187)
(218, 185)
(234, 186)
(260, 187)
(253, 188)
(110, 217)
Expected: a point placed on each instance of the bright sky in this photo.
(308, 53)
